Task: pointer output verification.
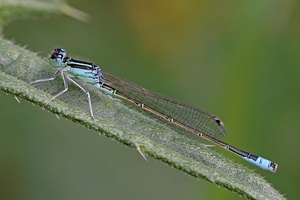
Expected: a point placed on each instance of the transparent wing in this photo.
(190, 116)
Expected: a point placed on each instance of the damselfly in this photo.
(191, 119)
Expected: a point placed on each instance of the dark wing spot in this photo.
(219, 122)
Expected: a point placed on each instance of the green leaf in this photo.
(118, 119)
(14, 9)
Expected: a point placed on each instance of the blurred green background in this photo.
(236, 59)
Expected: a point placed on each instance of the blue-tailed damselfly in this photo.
(191, 119)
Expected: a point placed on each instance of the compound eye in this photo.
(55, 62)
(57, 57)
